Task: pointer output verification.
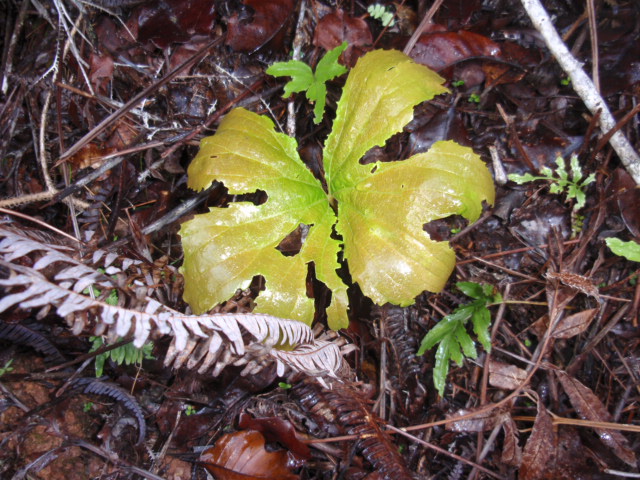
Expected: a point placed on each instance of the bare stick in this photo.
(583, 85)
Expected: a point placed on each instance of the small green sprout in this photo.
(303, 79)
(450, 333)
(565, 81)
(189, 410)
(474, 98)
(284, 385)
(127, 354)
(629, 250)
(87, 407)
(112, 299)
(457, 83)
(560, 182)
(382, 13)
(7, 367)
(572, 183)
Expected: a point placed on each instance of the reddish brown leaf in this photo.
(276, 429)
(574, 324)
(589, 406)
(241, 455)
(503, 375)
(337, 27)
(438, 50)
(175, 21)
(100, 71)
(257, 24)
(499, 73)
(539, 452)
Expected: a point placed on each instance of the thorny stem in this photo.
(583, 85)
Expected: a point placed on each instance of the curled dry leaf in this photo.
(589, 406)
(574, 324)
(241, 455)
(503, 375)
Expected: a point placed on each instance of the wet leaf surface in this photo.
(589, 406)
(242, 455)
(509, 101)
(257, 23)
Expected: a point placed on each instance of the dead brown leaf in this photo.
(439, 50)
(539, 452)
(511, 451)
(589, 406)
(478, 423)
(241, 455)
(258, 23)
(337, 27)
(503, 375)
(574, 324)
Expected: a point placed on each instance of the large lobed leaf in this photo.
(382, 208)
(227, 247)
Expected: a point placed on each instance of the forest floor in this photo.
(96, 134)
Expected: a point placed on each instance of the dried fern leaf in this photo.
(206, 342)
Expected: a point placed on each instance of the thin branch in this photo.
(583, 85)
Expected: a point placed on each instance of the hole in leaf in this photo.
(443, 229)
(292, 243)
(257, 198)
(393, 150)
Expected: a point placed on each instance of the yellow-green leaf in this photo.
(377, 102)
(227, 247)
(382, 207)
(381, 219)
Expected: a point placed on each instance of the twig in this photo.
(443, 451)
(137, 99)
(17, 30)
(297, 48)
(423, 25)
(593, 33)
(583, 85)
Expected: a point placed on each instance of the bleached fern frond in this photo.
(206, 342)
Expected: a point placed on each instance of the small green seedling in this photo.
(190, 410)
(565, 81)
(572, 183)
(561, 181)
(382, 13)
(457, 83)
(284, 385)
(7, 368)
(127, 354)
(303, 79)
(474, 98)
(112, 299)
(450, 333)
(86, 408)
(629, 250)
(367, 218)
